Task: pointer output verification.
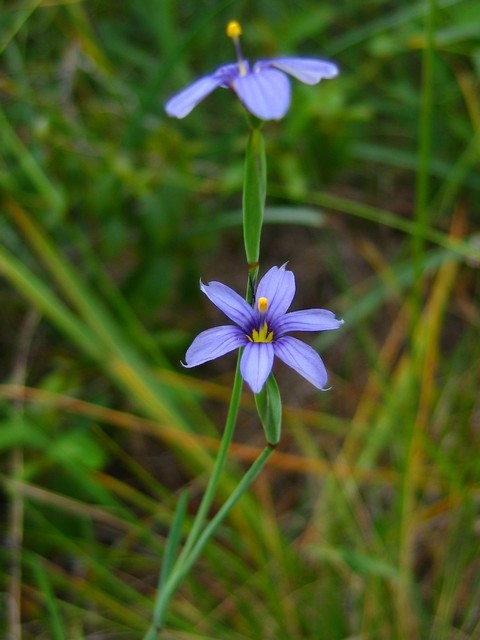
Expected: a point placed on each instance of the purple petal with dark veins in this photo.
(232, 304)
(303, 359)
(265, 93)
(256, 364)
(278, 286)
(307, 70)
(213, 343)
(307, 320)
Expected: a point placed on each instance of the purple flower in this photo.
(262, 331)
(264, 89)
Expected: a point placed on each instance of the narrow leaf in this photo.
(174, 537)
(55, 621)
(254, 195)
(269, 407)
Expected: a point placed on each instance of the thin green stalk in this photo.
(193, 536)
(219, 464)
(174, 539)
(254, 193)
(422, 189)
(17, 506)
(254, 204)
(408, 625)
(182, 570)
(54, 617)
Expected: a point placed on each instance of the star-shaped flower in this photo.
(262, 330)
(264, 89)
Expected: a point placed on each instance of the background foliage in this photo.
(366, 522)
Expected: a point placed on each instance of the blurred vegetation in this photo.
(366, 522)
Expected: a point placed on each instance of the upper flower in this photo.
(262, 330)
(264, 89)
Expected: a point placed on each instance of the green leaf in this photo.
(269, 407)
(49, 600)
(254, 191)
(174, 538)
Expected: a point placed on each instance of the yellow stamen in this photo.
(234, 29)
(262, 304)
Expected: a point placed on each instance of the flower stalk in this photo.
(261, 321)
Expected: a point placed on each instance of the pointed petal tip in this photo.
(182, 103)
(229, 302)
(308, 320)
(303, 359)
(214, 343)
(278, 286)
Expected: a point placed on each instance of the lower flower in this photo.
(262, 331)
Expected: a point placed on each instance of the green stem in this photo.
(253, 212)
(162, 597)
(425, 148)
(219, 464)
(182, 569)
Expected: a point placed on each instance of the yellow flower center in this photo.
(262, 334)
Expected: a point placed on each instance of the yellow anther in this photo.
(234, 30)
(262, 304)
(261, 335)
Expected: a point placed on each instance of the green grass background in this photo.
(365, 524)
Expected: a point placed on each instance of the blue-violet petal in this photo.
(278, 286)
(307, 70)
(213, 343)
(266, 93)
(228, 301)
(182, 103)
(256, 364)
(307, 320)
(303, 359)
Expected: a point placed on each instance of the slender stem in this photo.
(253, 213)
(219, 463)
(407, 625)
(182, 569)
(16, 514)
(163, 597)
(425, 149)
